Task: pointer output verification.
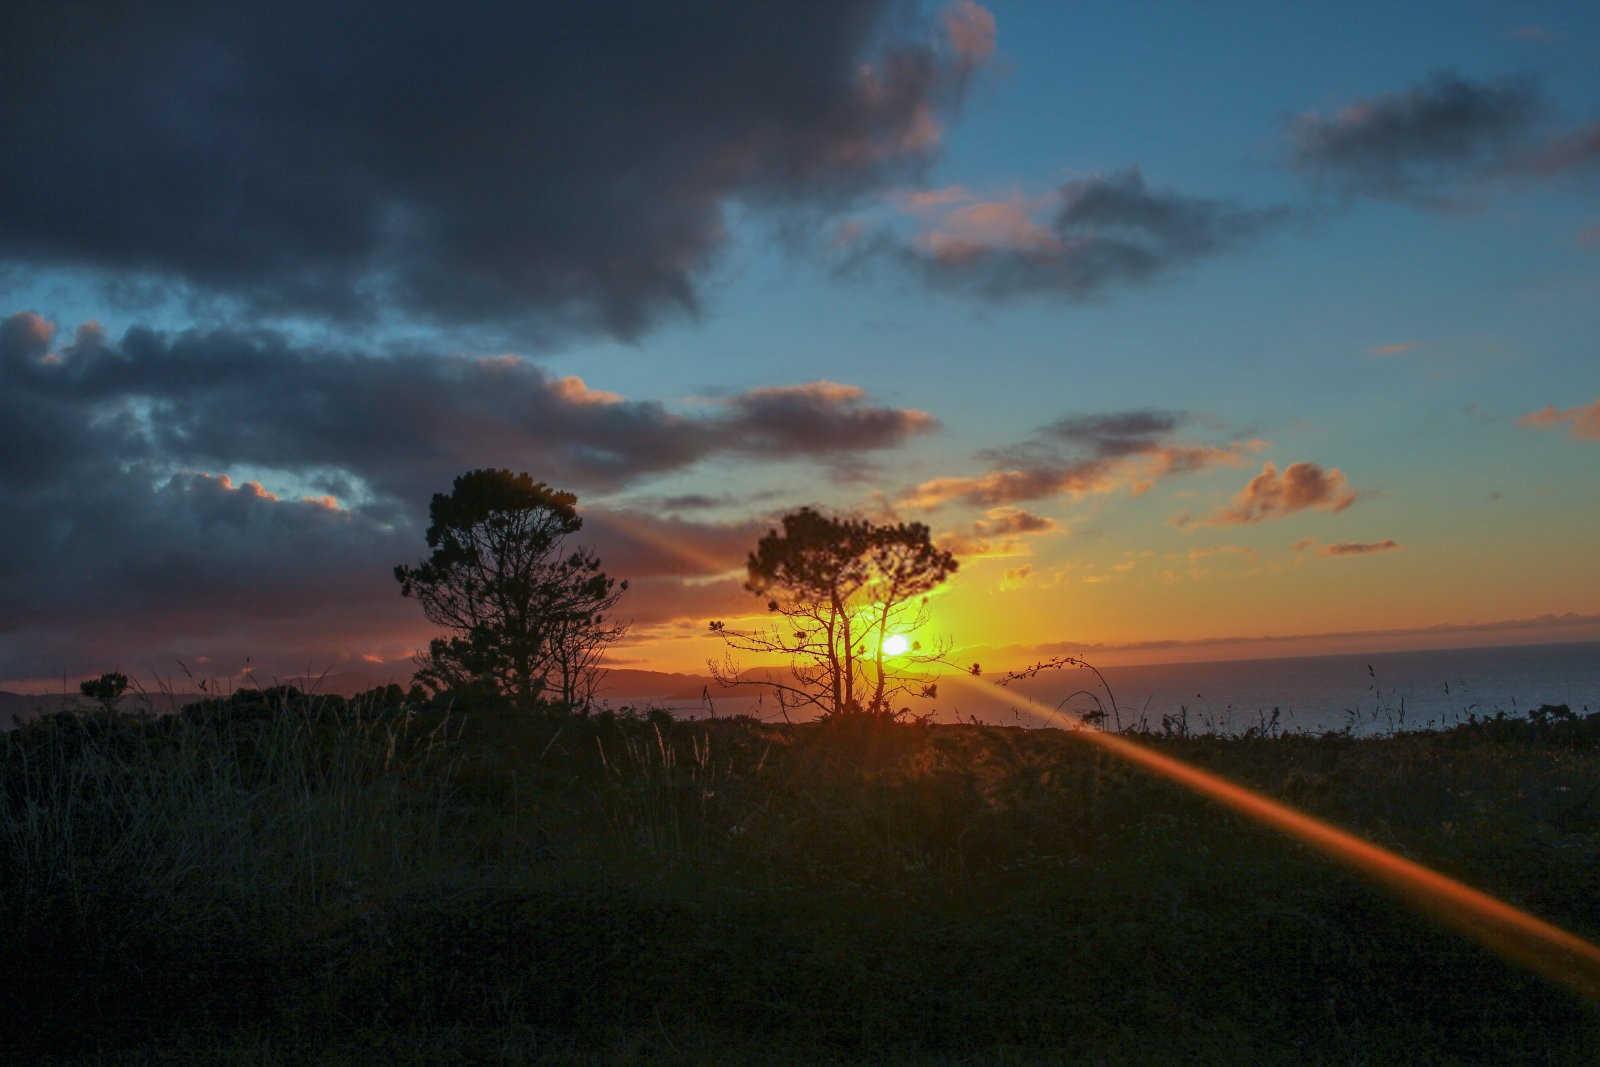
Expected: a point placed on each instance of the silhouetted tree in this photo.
(522, 609)
(577, 647)
(107, 689)
(843, 588)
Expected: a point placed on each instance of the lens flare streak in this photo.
(1513, 933)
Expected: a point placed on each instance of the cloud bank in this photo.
(349, 160)
(133, 478)
(1080, 455)
(1094, 234)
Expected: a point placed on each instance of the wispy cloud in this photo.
(1359, 548)
(1201, 552)
(1399, 144)
(970, 29)
(1016, 578)
(1570, 626)
(1082, 238)
(1582, 422)
(1426, 143)
(998, 522)
(1081, 455)
(1272, 495)
(1535, 33)
(1000, 533)
(1562, 153)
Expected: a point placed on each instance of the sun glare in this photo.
(896, 645)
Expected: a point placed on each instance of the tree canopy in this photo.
(526, 615)
(851, 595)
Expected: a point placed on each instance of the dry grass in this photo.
(442, 885)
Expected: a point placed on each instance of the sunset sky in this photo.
(1180, 324)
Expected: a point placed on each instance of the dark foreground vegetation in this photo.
(277, 878)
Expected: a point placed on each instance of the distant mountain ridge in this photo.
(620, 686)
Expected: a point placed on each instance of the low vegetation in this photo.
(275, 877)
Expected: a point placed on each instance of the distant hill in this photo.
(18, 706)
(621, 686)
(15, 707)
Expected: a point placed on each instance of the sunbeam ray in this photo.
(1515, 934)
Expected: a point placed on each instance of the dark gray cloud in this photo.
(1103, 232)
(403, 424)
(817, 418)
(1361, 548)
(132, 523)
(679, 502)
(1117, 433)
(1422, 143)
(524, 164)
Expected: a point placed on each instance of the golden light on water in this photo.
(1513, 933)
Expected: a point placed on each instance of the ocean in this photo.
(1371, 693)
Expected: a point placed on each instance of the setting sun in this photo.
(896, 645)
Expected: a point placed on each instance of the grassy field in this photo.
(276, 879)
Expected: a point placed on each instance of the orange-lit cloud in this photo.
(1207, 551)
(1008, 486)
(968, 548)
(28, 333)
(1071, 242)
(1008, 520)
(998, 534)
(1152, 466)
(977, 229)
(1582, 422)
(249, 489)
(1016, 578)
(970, 29)
(1271, 495)
(927, 199)
(1399, 348)
(1080, 455)
(573, 390)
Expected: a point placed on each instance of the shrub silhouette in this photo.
(107, 689)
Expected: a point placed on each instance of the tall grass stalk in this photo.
(154, 826)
